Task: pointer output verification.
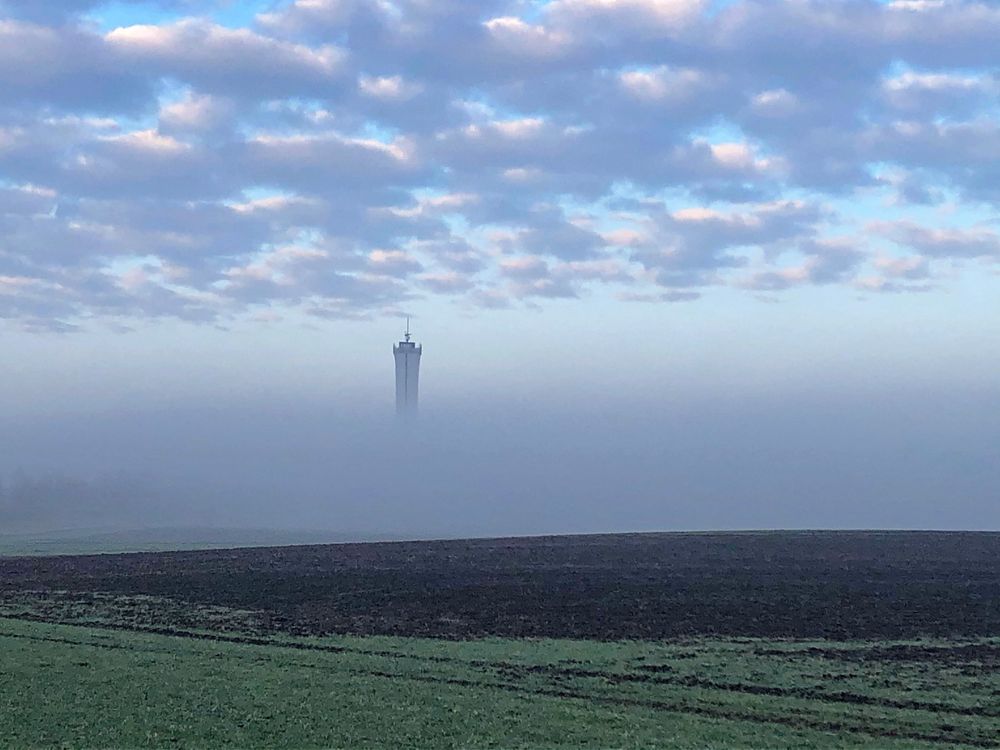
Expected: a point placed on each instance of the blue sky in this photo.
(580, 202)
(323, 168)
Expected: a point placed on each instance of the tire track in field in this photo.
(556, 671)
(742, 687)
(717, 712)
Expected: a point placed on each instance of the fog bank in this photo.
(883, 459)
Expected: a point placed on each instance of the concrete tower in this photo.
(407, 356)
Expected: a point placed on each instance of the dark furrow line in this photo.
(708, 711)
(611, 677)
(88, 644)
(658, 705)
(749, 689)
(153, 630)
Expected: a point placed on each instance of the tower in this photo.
(407, 355)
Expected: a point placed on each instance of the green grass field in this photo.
(70, 685)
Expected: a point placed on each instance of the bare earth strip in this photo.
(686, 640)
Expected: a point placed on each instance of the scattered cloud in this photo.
(342, 156)
(975, 242)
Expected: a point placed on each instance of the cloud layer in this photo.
(349, 158)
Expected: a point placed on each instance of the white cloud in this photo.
(916, 5)
(499, 153)
(235, 62)
(517, 37)
(644, 16)
(663, 83)
(66, 68)
(388, 87)
(198, 113)
(775, 103)
(933, 242)
(148, 141)
(524, 127)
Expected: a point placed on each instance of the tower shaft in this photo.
(407, 356)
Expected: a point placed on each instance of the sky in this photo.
(674, 263)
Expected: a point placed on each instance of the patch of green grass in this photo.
(89, 686)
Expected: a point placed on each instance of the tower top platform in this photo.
(406, 344)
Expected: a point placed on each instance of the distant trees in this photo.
(41, 503)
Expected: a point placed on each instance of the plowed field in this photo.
(835, 585)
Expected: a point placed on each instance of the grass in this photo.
(208, 649)
(99, 686)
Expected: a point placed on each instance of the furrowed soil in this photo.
(831, 585)
(762, 640)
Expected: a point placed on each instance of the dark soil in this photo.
(840, 585)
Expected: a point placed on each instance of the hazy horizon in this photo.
(523, 467)
(675, 264)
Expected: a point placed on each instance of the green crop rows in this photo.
(101, 686)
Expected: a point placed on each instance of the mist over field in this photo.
(810, 460)
(677, 264)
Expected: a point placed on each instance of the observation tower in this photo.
(407, 355)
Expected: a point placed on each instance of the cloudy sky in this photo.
(584, 204)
